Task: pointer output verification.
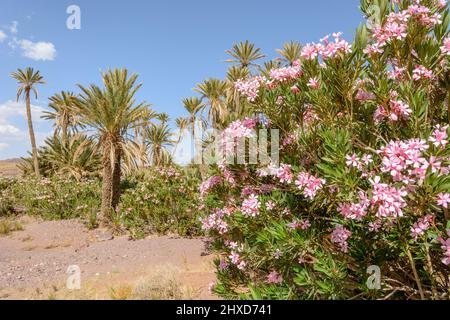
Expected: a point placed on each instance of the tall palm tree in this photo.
(159, 139)
(192, 105)
(182, 124)
(163, 117)
(27, 81)
(64, 113)
(112, 112)
(233, 97)
(291, 52)
(244, 54)
(213, 91)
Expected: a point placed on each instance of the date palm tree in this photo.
(64, 113)
(112, 111)
(244, 54)
(291, 52)
(159, 139)
(27, 81)
(214, 91)
(193, 106)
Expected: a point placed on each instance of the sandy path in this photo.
(33, 262)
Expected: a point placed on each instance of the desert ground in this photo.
(34, 261)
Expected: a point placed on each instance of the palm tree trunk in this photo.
(107, 184)
(32, 137)
(117, 175)
(64, 130)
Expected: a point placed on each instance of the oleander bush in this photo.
(363, 175)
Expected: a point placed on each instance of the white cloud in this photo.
(37, 50)
(9, 130)
(12, 108)
(3, 36)
(3, 146)
(13, 28)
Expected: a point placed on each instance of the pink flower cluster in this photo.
(327, 49)
(390, 200)
(398, 110)
(421, 72)
(250, 88)
(207, 185)
(313, 83)
(443, 199)
(250, 206)
(439, 136)
(283, 173)
(446, 247)
(215, 221)
(237, 261)
(396, 26)
(340, 236)
(404, 160)
(309, 184)
(445, 48)
(274, 277)
(355, 211)
(286, 74)
(237, 130)
(421, 226)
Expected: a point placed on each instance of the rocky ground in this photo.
(34, 264)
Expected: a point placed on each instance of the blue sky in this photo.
(172, 45)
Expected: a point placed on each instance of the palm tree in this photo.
(112, 112)
(291, 52)
(64, 113)
(27, 81)
(192, 105)
(214, 90)
(163, 117)
(159, 139)
(233, 97)
(182, 124)
(244, 54)
(75, 157)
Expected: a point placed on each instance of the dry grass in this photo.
(7, 226)
(160, 285)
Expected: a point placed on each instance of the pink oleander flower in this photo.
(215, 222)
(445, 48)
(340, 236)
(277, 254)
(421, 226)
(309, 116)
(313, 83)
(404, 160)
(295, 89)
(309, 184)
(363, 95)
(442, 3)
(421, 72)
(207, 185)
(366, 159)
(223, 264)
(286, 73)
(250, 88)
(443, 199)
(309, 52)
(439, 136)
(274, 277)
(446, 247)
(236, 130)
(352, 161)
(270, 205)
(397, 73)
(390, 200)
(250, 206)
(353, 211)
(284, 173)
